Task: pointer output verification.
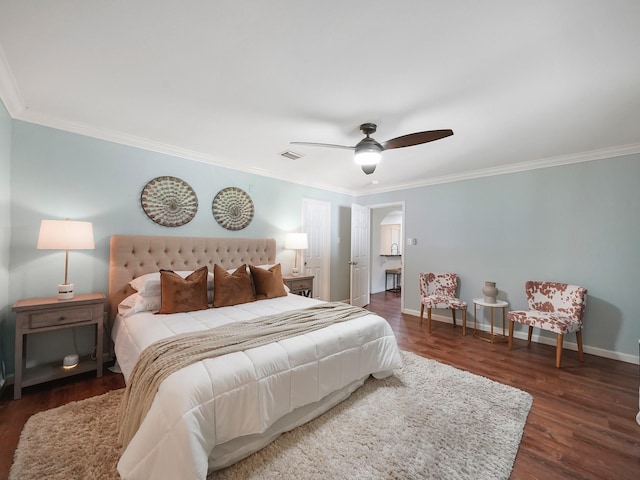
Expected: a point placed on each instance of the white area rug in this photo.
(428, 421)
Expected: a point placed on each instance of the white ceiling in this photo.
(521, 83)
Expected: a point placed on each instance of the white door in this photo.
(360, 241)
(316, 223)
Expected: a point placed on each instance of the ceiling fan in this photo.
(368, 152)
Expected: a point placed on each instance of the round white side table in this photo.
(490, 337)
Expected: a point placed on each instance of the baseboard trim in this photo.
(536, 337)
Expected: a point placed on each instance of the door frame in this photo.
(401, 204)
(322, 285)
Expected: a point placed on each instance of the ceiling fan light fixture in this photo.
(368, 169)
(367, 157)
(368, 152)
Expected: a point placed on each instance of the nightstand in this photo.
(300, 285)
(44, 314)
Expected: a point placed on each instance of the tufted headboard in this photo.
(134, 255)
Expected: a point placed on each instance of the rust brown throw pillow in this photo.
(231, 288)
(268, 283)
(179, 294)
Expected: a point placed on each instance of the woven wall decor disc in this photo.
(169, 201)
(233, 208)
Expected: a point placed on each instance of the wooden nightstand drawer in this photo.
(304, 284)
(299, 285)
(60, 316)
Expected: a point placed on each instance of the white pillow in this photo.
(135, 303)
(266, 267)
(149, 285)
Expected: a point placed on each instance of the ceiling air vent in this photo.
(291, 155)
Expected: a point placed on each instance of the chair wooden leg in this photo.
(511, 325)
(453, 316)
(464, 322)
(579, 342)
(421, 312)
(529, 336)
(429, 320)
(558, 350)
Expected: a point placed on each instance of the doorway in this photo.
(380, 259)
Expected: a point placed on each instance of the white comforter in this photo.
(242, 394)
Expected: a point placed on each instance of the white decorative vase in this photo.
(490, 292)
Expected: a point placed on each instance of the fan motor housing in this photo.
(368, 128)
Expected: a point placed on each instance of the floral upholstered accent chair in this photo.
(438, 290)
(555, 307)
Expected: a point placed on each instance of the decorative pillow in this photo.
(268, 283)
(149, 285)
(231, 288)
(183, 294)
(137, 303)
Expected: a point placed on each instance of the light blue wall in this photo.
(575, 224)
(6, 338)
(55, 174)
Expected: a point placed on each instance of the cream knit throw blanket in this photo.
(164, 357)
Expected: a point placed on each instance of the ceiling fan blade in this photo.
(330, 145)
(416, 138)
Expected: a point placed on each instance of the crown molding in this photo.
(10, 96)
(568, 159)
(159, 147)
(9, 93)
(14, 103)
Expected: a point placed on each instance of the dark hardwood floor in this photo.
(581, 426)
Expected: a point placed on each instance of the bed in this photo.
(217, 411)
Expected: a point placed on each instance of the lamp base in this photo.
(295, 271)
(65, 291)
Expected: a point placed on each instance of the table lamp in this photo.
(65, 235)
(297, 242)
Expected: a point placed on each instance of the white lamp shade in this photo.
(296, 241)
(65, 235)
